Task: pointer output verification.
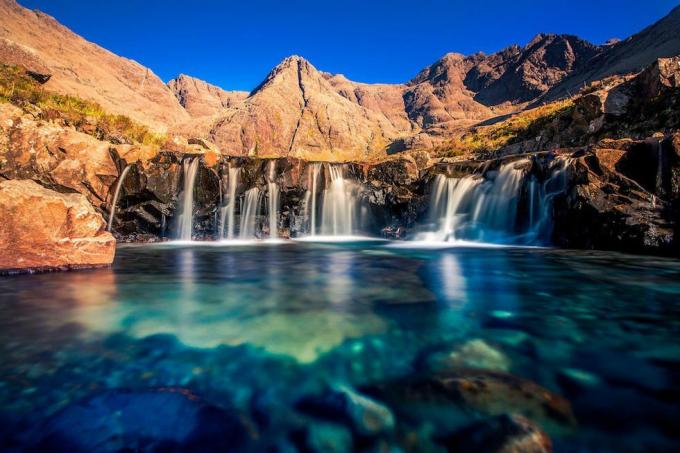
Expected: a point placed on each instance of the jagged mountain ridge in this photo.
(301, 111)
(201, 98)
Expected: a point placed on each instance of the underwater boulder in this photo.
(148, 420)
(342, 404)
(501, 434)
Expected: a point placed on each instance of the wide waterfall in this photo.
(272, 200)
(186, 217)
(227, 212)
(486, 208)
(116, 194)
(250, 209)
(339, 204)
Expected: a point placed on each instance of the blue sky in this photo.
(235, 44)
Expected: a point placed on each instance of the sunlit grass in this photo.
(516, 128)
(20, 89)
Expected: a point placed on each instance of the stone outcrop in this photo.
(201, 98)
(45, 230)
(83, 69)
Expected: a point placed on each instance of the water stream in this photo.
(486, 208)
(227, 212)
(272, 200)
(116, 194)
(186, 218)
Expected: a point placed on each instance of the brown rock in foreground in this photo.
(46, 230)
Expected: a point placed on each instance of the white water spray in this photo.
(227, 212)
(272, 200)
(339, 204)
(116, 194)
(186, 218)
(249, 212)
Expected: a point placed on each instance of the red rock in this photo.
(43, 230)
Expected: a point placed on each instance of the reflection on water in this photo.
(237, 323)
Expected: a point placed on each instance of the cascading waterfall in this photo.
(249, 212)
(310, 197)
(338, 216)
(186, 218)
(541, 197)
(658, 186)
(227, 212)
(486, 208)
(272, 200)
(116, 194)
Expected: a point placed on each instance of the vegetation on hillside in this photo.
(519, 127)
(19, 88)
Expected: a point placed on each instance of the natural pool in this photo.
(303, 346)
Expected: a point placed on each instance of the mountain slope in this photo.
(661, 39)
(296, 111)
(83, 69)
(201, 98)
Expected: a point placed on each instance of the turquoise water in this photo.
(260, 330)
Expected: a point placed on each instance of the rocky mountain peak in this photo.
(201, 98)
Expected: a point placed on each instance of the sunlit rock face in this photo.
(43, 229)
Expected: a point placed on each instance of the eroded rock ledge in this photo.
(45, 230)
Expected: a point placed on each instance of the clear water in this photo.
(256, 327)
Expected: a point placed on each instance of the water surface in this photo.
(255, 327)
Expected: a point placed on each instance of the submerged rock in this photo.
(483, 391)
(151, 420)
(501, 434)
(43, 229)
(473, 354)
(366, 416)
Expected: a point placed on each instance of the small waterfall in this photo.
(541, 197)
(311, 195)
(186, 218)
(658, 182)
(227, 212)
(339, 204)
(249, 212)
(272, 200)
(116, 194)
(486, 208)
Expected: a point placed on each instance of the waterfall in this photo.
(310, 196)
(116, 194)
(186, 218)
(339, 204)
(486, 208)
(249, 212)
(273, 200)
(658, 186)
(541, 198)
(227, 212)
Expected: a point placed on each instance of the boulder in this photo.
(501, 434)
(342, 404)
(43, 229)
(169, 419)
(663, 75)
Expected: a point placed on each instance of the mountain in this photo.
(296, 111)
(81, 68)
(200, 98)
(661, 39)
(300, 111)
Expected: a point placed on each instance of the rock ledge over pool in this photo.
(44, 230)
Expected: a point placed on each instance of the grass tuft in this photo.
(20, 89)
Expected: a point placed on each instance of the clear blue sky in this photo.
(234, 44)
